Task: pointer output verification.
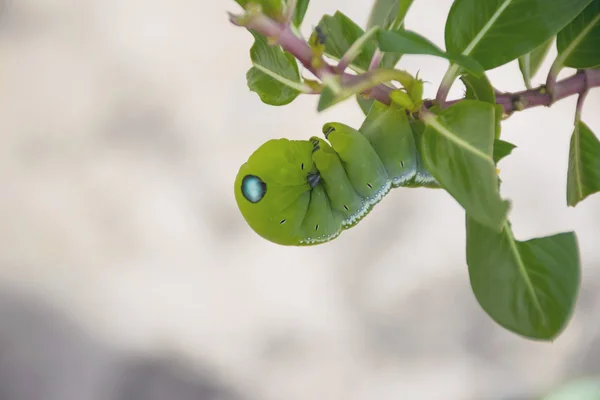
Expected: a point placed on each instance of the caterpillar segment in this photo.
(306, 192)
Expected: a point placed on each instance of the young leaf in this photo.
(389, 15)
(365, 104)
(340, 32)
(408, 42)
(502, 149)
(328, 98)
(274, 75)
(479, 88)
(272, 8)
(530, 287)
(457, 149)
(495, 32)
(583, 177)
(578, 43)
(383, 13)
(530, 63)
(300, 12)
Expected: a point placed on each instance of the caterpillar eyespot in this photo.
(253, 188)
(328, 193)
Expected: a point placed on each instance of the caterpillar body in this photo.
(306, 192)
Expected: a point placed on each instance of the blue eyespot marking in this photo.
(253, 188)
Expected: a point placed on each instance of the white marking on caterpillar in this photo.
(405, 177)
(367, 205)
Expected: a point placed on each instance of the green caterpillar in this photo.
(306, 192)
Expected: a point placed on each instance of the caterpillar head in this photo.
(272, 189)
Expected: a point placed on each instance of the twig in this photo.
(281, 34)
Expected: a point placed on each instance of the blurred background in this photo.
(128, 273)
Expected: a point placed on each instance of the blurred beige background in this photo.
(122, 126)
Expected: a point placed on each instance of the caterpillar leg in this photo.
(321, 223)
(423, 177)
(363, 166)
(342, 196)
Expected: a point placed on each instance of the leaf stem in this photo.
(289, 11)
(559, 62)
(446, 85)
(376, 59)
(579, 107)
(355, 49)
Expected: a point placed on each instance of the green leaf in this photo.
(300, 12)
(495, 32)
(530, 287)
(457, 150)
(381, 13)
(578, 43)
(478, 88)
(327, 98)
(583, 176)
(340, 32)
(389, 15)
(365, 104)
(502, 149)
(274, 75)
(530, 63)
(408, 42)
(272, 8)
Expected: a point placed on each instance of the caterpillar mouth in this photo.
(313, 179)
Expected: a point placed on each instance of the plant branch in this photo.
(576, 84)
(281, 34)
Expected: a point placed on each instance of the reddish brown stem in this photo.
(578, 83)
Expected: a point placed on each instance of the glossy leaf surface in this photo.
(408, 42)
(457, 149)
(274, 75)
(495, 32)
(583, 177)
(530, 63)
(529, 287)
(578, 44)
(340, 32)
